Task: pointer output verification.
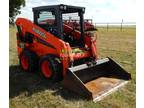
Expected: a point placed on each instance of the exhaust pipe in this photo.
(96, 81)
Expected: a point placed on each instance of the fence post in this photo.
(95, 25)
(121, 25)
(107, 26)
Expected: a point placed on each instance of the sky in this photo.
(99, 10)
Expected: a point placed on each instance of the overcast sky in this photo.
(98, 10)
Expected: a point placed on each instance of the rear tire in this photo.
(51, 68)
(29, 61)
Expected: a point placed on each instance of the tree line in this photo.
(14, 9)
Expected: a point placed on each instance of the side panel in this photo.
(43, 41)
(41, 36)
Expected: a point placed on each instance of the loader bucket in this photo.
(97, 81)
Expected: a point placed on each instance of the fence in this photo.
(119, 26)
(115, 26)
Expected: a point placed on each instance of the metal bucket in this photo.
(96, 81)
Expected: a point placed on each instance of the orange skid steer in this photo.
(64, 53)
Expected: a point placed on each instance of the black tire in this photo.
(32, 61)
(55, 67)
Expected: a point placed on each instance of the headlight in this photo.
(61, 7)
(83, 10)
(65, 7)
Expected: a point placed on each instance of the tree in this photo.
(14, 9)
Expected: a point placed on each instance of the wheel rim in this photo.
(24, 62)
(45, 69)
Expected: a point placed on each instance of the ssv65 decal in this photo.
(39, 32)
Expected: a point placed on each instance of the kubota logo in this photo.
(39, 32)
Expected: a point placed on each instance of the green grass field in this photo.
(28, 90)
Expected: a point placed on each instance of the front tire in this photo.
(50, 68)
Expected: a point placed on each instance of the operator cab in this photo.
(52, 19)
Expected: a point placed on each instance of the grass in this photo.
(28, 90)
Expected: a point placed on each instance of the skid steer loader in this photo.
(64, 53)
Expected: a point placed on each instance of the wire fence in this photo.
(115, 26)
(109, 26)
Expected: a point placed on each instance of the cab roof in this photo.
(60, 7)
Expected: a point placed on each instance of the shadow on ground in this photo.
(30, 83)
